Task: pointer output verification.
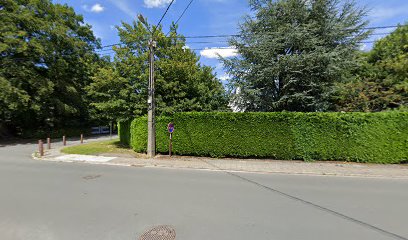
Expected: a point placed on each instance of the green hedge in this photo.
(136, 137)
(360, 137)
(124, 132)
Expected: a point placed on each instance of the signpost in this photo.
(170, 128)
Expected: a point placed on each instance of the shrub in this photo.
(124, 132)
(136, 137)
(361, 137)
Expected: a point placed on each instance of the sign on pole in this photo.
(170, 128)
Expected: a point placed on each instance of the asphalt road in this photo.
(49, 200)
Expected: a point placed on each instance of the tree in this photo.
(120, 92)
(111, 96)
(381, 80)
(292, 52)
(46, 59)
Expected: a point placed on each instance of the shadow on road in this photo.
(19, 141)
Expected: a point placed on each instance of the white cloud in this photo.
(125, 7)
(224, 77)
(156, 3)
(216, 52)
(363, 47)
(97, 8)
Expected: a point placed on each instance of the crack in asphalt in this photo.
(91, 177)
(324, 209)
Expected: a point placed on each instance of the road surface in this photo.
(49, 200)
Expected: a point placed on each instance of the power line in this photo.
(108, 52)
(111, 45)
(378, 34)
(161, 19)
(207, 42)
(164, 14)
(213, 36)
(184, 11)
(118, 44)
(104, 50)
(381, 27)
(209, 48)
(182, 14)
(204, 42)
(222, 42)
(237, 35)
(368, 41)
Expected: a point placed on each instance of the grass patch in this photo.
(95, 148)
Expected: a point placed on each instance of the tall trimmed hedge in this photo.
(124, 132)
(134, 134)
(361, 137)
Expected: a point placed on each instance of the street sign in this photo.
(170, 127)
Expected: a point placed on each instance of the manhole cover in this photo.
(159, 233)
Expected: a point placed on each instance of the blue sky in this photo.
(206, 17)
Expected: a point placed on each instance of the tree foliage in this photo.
(291, 52)
(381, 80)
(46, 57)
(119, 92)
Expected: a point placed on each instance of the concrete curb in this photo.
(109, 163)
(206, 165)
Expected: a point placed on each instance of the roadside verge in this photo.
(343, 169)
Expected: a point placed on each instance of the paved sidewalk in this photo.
(243, 165)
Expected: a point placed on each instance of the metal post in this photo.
(64, 141)
(170, 145)
(110, 130)
(151, 131)
(41, 147)
(82, 138)
(49, 143)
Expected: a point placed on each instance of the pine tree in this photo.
(291, 52)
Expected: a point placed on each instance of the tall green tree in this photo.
(119, 92)
(381, 80)
(291, 52)
(46, 58)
